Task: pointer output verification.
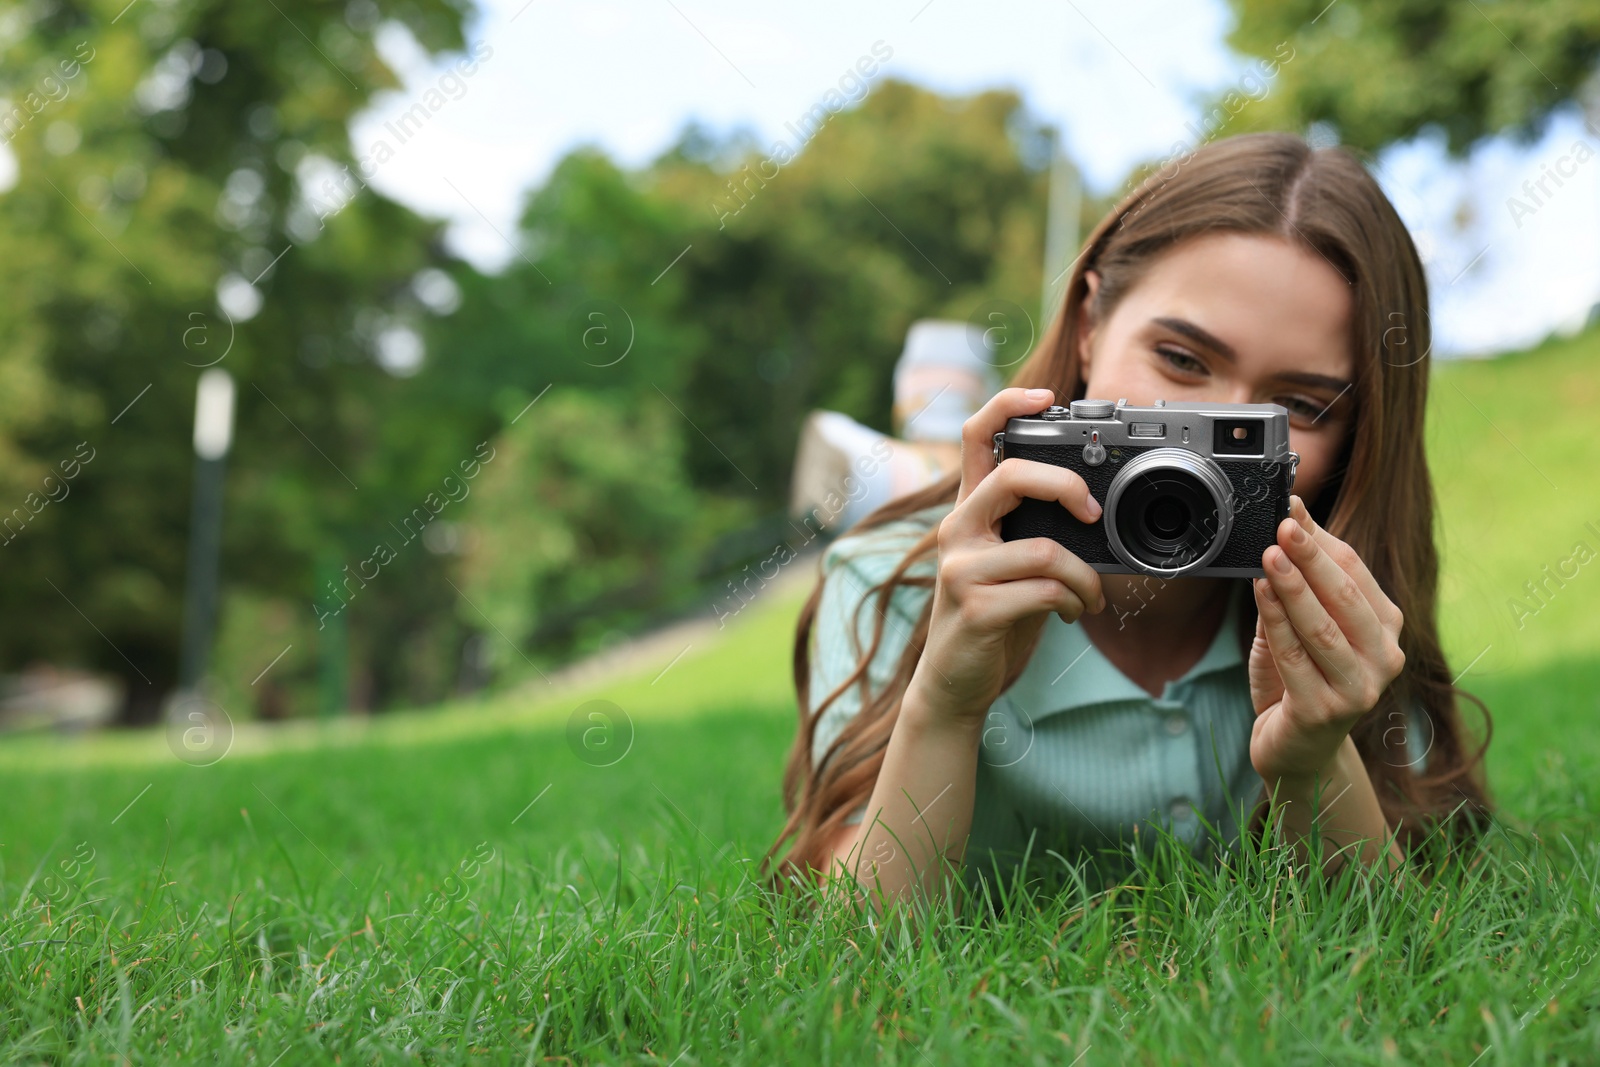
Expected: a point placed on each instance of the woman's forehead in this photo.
(1269, 303)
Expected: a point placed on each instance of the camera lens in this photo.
(1168, 512)
(1167, 516)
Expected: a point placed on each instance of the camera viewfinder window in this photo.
(1239, 437)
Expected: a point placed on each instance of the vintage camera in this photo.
(1189, 489)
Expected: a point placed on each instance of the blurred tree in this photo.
(733, 288)
(755, 290)
(808, 273)
(158, 223)
(581, 521)
(1382, 70)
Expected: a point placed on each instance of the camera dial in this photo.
(1092, 409)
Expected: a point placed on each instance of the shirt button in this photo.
(1181, 808)
(1177, 723)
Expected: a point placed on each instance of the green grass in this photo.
(1514, 449)
(382, 889)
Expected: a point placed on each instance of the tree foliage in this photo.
(160, 166)
(1381, 71)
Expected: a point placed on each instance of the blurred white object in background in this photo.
(843, 470)
(43, 696)
(945, 374)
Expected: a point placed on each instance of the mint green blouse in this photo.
(1075, 757)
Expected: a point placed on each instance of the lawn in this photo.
(456, 884)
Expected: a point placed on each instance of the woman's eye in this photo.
(1299, 405)
(1181, 360)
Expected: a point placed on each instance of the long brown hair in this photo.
(1379, 497)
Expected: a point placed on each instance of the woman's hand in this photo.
(1327, 645)
(991, 596)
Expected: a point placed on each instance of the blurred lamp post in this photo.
(213, 432)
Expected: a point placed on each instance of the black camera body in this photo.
(1189, 489)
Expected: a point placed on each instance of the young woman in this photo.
(970, 701)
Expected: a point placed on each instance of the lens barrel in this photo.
(1168, 512)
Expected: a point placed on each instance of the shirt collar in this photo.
(1067, 671)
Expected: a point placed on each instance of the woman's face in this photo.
(1239, 319)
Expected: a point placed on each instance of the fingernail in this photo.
(1038, 394)
(1299, 537)
(1266, 592)
(1281, 563)
(1094, 507)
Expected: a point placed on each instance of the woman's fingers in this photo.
(1006, 604)
(1336, 589)
(1318, 633)
(1388, 613)
(1266, 683)
(977, 433)
(1036, 557)
(1298, 674)
(1008, 484)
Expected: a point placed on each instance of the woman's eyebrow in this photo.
(1199, 336)
(1317, 381)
